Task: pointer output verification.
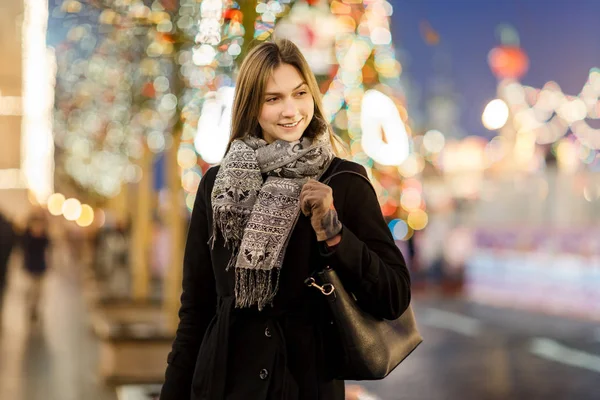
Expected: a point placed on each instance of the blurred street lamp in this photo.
(71, 209)
(508, 60)
(384, 136)
(86, 217)
(55, 203)
(495, 114)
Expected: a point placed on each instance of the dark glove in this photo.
(316, 201)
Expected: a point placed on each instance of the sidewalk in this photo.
(54, 358)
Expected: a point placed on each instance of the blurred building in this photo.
(12, 192)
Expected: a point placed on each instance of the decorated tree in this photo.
(350, 49)
(133, 77)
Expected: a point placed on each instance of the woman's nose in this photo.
(289, 109)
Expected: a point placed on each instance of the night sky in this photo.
(561, 38)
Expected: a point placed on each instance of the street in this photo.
(470, 351)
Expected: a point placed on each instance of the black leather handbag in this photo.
(372, 347)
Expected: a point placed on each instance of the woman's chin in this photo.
(291, 136)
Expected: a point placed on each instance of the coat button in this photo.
(267, 332)
(264, 374)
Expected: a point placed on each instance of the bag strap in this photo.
(310, 281)
(336, 173)
(335, 164)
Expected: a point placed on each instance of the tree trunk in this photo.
(142, 231)
(248, 9)
(176, 226)
(175, 214)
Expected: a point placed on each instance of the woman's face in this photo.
(288, 106)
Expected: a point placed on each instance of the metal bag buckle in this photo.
(327, 289)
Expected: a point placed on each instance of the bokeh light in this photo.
(55, 203)
(71, 209)
(411, 199)
(412, 166)
(86, 218)
(190, 198)
(495, 114)
(100, 217)
(417, 219)
(434, 141)
(400, 230)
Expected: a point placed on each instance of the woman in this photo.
(250, 329)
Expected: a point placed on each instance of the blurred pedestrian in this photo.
(7, 241)
(34, 242)
(262, 223)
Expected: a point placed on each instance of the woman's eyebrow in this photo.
(276, 93)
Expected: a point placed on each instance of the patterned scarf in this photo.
(256, 219)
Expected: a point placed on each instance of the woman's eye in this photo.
(302, 93)
(271, 99)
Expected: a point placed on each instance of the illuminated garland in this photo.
(116, 96)
(209, 71)
(218, 43)
(549, 113)
(377, 114)
(97, 128)
(362, 37)
(363, 113)
(267, 13)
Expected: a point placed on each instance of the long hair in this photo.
(255, 71)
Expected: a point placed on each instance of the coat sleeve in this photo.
(198, 300)
(367, 259)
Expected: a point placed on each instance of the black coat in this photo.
(288, 351)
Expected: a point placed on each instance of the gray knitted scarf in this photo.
(256, 219)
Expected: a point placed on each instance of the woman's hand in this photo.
(316, 201)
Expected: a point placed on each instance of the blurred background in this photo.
(478, 123)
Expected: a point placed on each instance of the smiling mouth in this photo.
(291, 125)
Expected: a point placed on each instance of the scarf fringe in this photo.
(230, 221)
(254, 287)
(233, 259)
(254, 283)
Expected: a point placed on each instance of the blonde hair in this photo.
(255, 71)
